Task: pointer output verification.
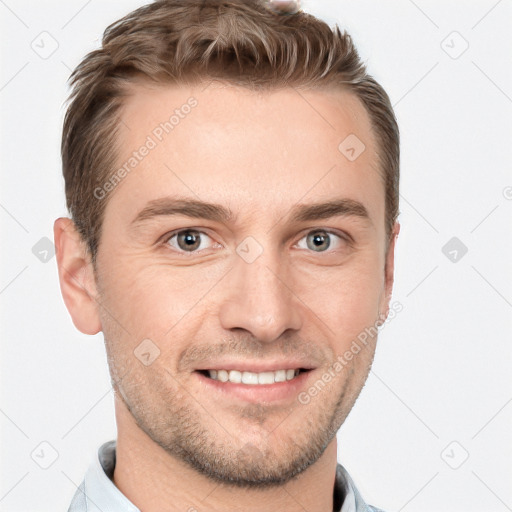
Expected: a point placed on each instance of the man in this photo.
(232, 177)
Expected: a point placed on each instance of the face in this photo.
(259, 280)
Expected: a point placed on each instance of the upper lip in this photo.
(257, 366)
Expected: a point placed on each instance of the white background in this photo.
(442, 368)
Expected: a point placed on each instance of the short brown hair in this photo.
(175, 42)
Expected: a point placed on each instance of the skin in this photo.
(181, 446)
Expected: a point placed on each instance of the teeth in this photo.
(222, 375)
(280, 376)
(235, 376)
(252, 378)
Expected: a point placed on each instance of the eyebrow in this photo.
(342, 207)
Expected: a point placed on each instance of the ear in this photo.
(76, 277)
(389, 272)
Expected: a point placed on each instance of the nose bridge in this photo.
(260, 298)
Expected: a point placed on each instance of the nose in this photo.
(261, 299)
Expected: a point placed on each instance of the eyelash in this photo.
(169, 236)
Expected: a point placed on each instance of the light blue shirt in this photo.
(98, 493)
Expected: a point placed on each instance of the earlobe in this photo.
(76, 277)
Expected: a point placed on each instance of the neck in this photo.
(153, 480)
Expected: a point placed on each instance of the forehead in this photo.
(260, 150)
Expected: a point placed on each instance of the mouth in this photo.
(253, 378)
(281, 386)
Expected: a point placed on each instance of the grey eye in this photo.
(188, 240)
(319, 240)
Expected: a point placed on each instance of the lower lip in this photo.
(257, 393)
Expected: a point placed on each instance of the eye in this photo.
(321, 240)
(188, 240)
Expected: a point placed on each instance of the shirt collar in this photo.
(98, 492)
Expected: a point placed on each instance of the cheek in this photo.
(151, 299)
(347, 298)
